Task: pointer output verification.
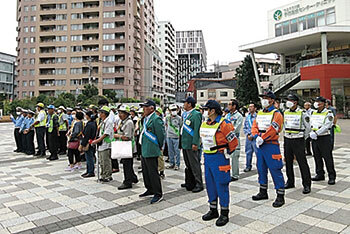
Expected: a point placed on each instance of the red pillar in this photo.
(325, 87)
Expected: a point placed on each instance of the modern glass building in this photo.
(7, 75)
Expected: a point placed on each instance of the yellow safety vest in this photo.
(42, 123)
(264, 120)
(318, 119)
(51, 123)
(207, 133)
(63, 126)
(293, 121)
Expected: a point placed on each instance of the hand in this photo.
(25, 131)
(95, 142)
(80, 148)
(11, 116)
(250, 138)
(194, 147)
(259, 141)
(313, 135)
(117, 136)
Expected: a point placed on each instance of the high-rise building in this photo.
(191, 57)
(7, 75)
(65, 44)
(166, 42)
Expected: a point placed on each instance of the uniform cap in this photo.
(93, 107)
(292, 97)
(190, 100)
(51, 107)
(148, 103)
(269, 94)
(212, 104)
(62, 108)
(24, 111)
(321, 99)
(40, 105)
(105, 109)
(173, 107)
(69, 109)
(159, 109)
(31, 112)
(124, 108)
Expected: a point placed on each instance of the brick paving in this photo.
(37, 196)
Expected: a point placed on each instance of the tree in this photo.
(111, 95)
(90, 90)
(247, 90)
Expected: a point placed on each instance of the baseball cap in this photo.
(212, 104)
(148, 103)
(172, 107)
(124, 108)
(321, 99)
(51, 107)
(269, 94)
(62, 107)
(190, 100)
(292, 97)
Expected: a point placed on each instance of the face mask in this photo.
(174, 113)
(289, 104)
(316, 105)
(73, 116)
(59, 111)
(18, 113)
(264, 103)
(206, 114)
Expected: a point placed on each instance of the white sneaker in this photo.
(176, 168)
(69, 169)
(78, 167)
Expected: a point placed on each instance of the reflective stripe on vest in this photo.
(293, 121)
(62, 123)
(207, 133)
(318, 119)
(51, 123)
(42, 123)
(264, 120)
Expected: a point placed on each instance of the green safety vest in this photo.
(207, 133)
(63, 126)
(51, 123)
(42, 123)
(293, 121)
(176, 130)
(318, 119)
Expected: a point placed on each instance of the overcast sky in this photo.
(226, 24)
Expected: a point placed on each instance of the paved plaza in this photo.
(38, 196)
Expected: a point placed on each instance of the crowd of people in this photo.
(207, 132)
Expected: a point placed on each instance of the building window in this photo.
(109, 14)
(110, 58)
(311, 21)
(108, 36)
(32, 40)
(76, 38)
(32, 50)
(109, 81)
(294, 25)
(31, 93)
(24, 83)
(61, 49)
(108, 3)
(321, 19)
(60, 82)
(76, 71)
(61, 27)
(25, 19)
(223, 94)
(75, 27)
(278, 30)
(26, 29)
(31, 83)
(26, 8)
(76, 59)
(31, 73)
(108, 70)
(61, 71)
(76, 48)
(108, 47)
(61, 60)
(24, 72)
(25, 51)
(108, 25)
(302, 23)
(33, 8)
(33, 18)
(285, 26)
(32, 29)
(331, 16)
(32, 61)
(77, 16)
(77, 5)
(24, 94)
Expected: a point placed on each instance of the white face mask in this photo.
(174, 113)
(289, 104)
(73, 116)
(265, 103)
(205, 114)
(18, 113)
(316, 105)
(59, 111)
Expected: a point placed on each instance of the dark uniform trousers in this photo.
(30, 142)
(24, 143)
(193, 171)
(40, 138)
(150, 175)
(18, 139)
(308, 145)
(322, 149)
(53, 142)
(47, 139)
(129, 174)
(296, 147)
(63, 141)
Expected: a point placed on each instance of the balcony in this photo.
(90, 26)
(90, 37)
(45, 18)
(91, 15)
(47, 83)
(90, 48)
(48, 39)
(94, 4)
(48, 7)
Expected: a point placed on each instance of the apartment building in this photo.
(191, 57)
(166, 42)
(65, 44)
(7, 75)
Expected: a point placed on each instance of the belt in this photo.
(294, 129)
(219, 147)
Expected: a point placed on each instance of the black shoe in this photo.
(62, 153)
(42, 155)
(288, 186)
(135, 181)
(156, 199)
(279, 201)
(197, 189)
(106, 180)
(318, 178)
(308, 154)
(307, 190)
(124, 186)
(87, 175)
(247, 170)
(161, 174)
(37, 154)
(212, 214)
(16, 150)
(84, 174)
(331, 181)
(233, 178)
(146, 194)
(223, 219)
(262, 195)
(53, 158)
(183, 185)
